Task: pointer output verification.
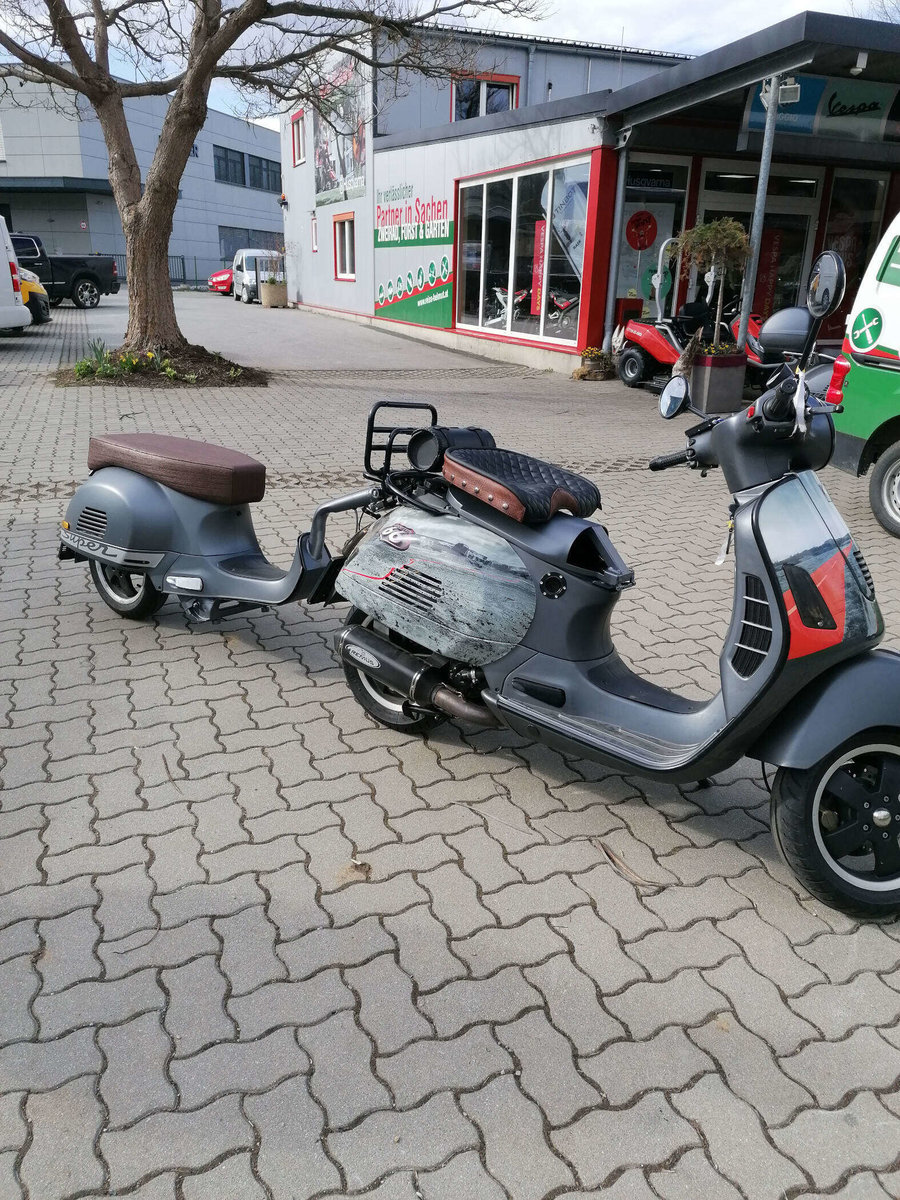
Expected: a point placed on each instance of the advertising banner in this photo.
(537, 267)
(413, 256)
(339, 133)
(646, 227)
(767, 273)
(838, 108)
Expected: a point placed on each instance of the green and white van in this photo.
(866, 380)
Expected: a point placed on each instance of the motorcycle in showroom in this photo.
(482, 590)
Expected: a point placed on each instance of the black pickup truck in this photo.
(81, 278)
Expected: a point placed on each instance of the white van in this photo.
(244, 272)
(13, 313)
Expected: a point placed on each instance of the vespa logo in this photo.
(364, 657)
(837, 109)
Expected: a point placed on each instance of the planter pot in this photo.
(717, 382)
(273, 295)
(594, 369)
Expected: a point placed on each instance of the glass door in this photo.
(853, 228)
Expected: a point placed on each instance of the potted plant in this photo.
(717, 371)
(596, 364)
(273, 292)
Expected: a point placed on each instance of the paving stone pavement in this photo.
(203, 996)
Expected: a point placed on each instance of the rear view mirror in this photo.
(827, 281)
(675, 397)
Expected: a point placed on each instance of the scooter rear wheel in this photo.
(387, 707)
(128, 593)
(837, 824)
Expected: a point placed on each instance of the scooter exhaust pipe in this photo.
(402, 672)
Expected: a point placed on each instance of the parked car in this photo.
(81, 278)
(36, 299)
(13, 313)
(866, 380)
(244, 272)
(222, 281)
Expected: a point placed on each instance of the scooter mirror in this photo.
(827, 281)
(675, 397)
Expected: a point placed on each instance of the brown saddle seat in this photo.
(524, 488)
(197, 469)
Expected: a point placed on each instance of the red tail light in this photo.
(115, 274)
(835, 393)
(14, 272)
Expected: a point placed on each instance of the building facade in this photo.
(54, 181)
(535, 229)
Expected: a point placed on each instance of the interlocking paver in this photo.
(684, 999)
(233, 1177)
(769, 951)
(463, 1178)
(489, 949)
(43, 1066)
(627, 1068)
(602, 1142)
(60, 1159)
(342, 1078)
(289, 1126)
(243, 1067)
(195, 1014)
(665, 953)
(183, 1140)
(98, 1002)
(13, 1129)
(158, 948)
(619, 903)
(248, 957)
(759, 1005)
(691, 1177)
(134, 1082)
(385, 1142)
(433, 1064)
(829, 1143)
(571, 999)
(833, 1070)
(276, 1004)
(423, 948)
(547, 1070)
(750, 1068)
(19, 983)
(386, 1009)
(841, 956)
(465, 1002)
(125, 903)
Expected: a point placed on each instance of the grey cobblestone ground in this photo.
(201, 993)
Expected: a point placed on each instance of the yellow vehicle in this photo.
(34, 297)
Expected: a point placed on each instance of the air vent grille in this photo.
(864, 569)
(413, 587)
(756, 630)
(91, 521)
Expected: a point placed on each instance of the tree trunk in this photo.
(152, 324)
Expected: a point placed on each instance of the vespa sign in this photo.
(833, 108)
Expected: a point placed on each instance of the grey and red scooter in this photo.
(482, 590)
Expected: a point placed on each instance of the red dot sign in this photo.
(640, 232)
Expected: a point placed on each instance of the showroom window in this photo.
(229, 165)
(477, 96)
(521, 253)
(298, 138)
(344, 247)
(264, 174)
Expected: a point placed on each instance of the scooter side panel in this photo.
(460, 590)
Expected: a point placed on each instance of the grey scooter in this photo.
(476, 594)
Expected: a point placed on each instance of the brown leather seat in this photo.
(197, 469)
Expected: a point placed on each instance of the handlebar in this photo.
(780, 405)
(663, 461)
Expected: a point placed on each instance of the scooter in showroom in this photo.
(483, 591)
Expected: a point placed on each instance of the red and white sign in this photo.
(84, 224)
(537, 267)
(640, 231)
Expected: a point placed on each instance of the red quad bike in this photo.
(653, 347)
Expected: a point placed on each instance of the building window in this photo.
(264, 174)
(344, 247)
(229, 166)
(234, 238)
(521, 252)
(314, 233)
(298, 138)
(477, 96)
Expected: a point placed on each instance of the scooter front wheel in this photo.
(387, 707)
(837, 824)
(129, 593)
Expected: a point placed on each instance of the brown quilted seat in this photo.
(197, 469)
(524, 488)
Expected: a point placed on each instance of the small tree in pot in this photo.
(717, 246)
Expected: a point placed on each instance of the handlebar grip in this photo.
(662, 461)
(780, 407)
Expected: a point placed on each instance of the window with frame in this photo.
(298, 138)
(228, 166)
(345, 247)
(477, 96)
(264, 174)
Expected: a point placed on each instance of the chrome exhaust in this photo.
(407, 675)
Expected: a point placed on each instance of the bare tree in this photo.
(111, 51)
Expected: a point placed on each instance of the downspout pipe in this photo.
(759, 210)
(615, 248)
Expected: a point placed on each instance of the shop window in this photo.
(477, 96)
(498, 229)
(298, 138)
(228, 166)
(264, 174)
(654, 211)
(344, 247)
(468, 289)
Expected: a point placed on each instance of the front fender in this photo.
(861, 693)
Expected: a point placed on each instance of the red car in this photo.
(222, 281)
